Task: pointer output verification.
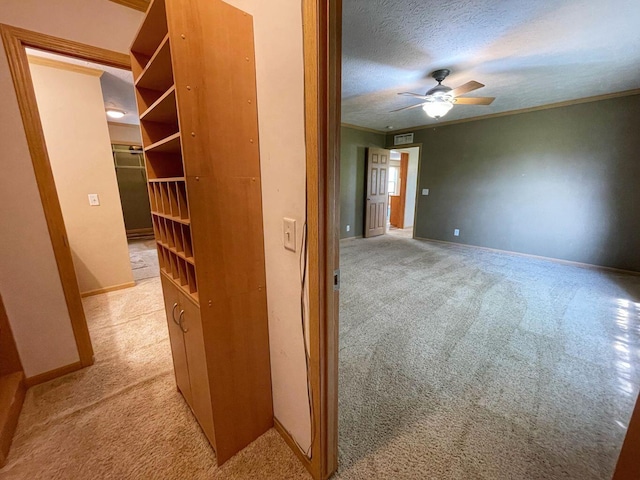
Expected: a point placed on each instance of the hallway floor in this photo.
(143, 256)
(123, 418)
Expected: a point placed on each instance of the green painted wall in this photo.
(353, 148)
(561, 183)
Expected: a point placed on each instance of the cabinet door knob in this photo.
(173, 314)
(180, 319)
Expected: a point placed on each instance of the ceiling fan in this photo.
(440, 99)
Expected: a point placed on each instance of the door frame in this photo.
(418, 189)
(403, 175)
(15, 41)
(322, 42)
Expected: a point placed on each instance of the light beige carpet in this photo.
(454, 364)
(123, 417)
(459, 363)
(143, 257)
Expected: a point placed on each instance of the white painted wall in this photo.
(29, 280)
(280, 79)
(412, 185)
(71, 110)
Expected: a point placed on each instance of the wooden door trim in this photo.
(322, 37)
(15, 41)
(628, 467)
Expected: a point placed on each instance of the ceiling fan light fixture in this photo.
(437, 109)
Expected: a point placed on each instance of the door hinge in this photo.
(336, 280)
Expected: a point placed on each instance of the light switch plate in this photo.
(425, 191)
(94, 200)
(289, 234)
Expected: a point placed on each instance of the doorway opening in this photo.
(131, 175)
(100, 180)
(403, 182)
(60, 86)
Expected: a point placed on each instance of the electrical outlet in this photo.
(425, 191)
(348, 228)
(456, 233)
(289, 232)
(94, 200)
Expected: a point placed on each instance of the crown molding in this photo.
(363, 129)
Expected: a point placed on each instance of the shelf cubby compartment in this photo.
(182, 273)
(169, 144)
(167, 260)
(163, 110)
(179, 239)
(162, 228)
(163, 259)
(187, 243)
(171, 235)
(157, 77)
(157, 192)
(165, 206)
(152, 197)
(160, 120)
(183, 204)
(173, 199)
(150, 34)
(163, 165)
(153, 132)
(160, 256)
(173, 261)
(156, 228)
(191, 276)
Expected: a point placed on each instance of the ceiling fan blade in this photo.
(466, 88)
(409, 94)
(408, 108)
(474, 100)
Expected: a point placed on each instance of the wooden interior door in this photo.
(375, 219)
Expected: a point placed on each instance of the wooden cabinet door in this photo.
(180, 365)
(197, 361)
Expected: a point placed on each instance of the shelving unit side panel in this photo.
(213, 63)
(230, 260)
(230, 267)
(214, 70)
(240, 370)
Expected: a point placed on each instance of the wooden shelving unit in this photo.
(194, 72)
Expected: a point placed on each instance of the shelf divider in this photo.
(167, 144)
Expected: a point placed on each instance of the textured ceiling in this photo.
(527, 52)
(117, 85)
